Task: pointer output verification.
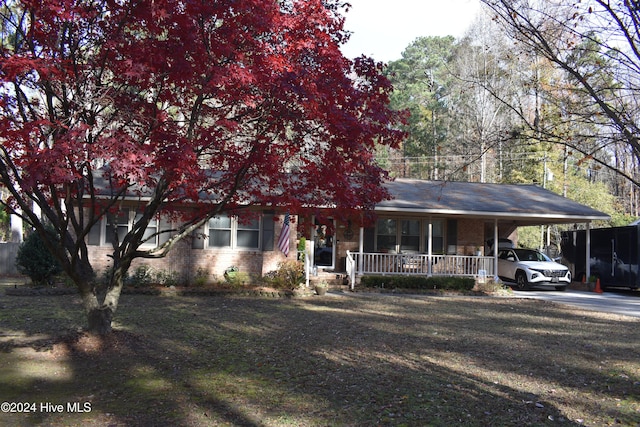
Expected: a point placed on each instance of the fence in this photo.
(8, 253)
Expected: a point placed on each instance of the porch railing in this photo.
(358, 263)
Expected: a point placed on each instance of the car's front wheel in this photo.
(521, 281)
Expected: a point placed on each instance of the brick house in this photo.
(428, 227)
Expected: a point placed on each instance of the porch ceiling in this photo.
(514, 205)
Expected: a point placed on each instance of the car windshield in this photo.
(530, 255)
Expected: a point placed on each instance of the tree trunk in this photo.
(100, 314)
(99, 320)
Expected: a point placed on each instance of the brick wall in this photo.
(470, 236)
(185, 262)
(346, 243)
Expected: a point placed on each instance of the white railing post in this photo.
(360, 250)
(351, 270)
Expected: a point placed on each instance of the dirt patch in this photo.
(84, 344)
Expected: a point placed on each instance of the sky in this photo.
(382, 29)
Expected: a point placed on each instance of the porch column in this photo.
(15, 222)
(495, 249)
(360, 250)
(587, 251)
(37, 211)
(429, 246)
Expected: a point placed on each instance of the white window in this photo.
(150, 236)
(410, 236)
(220, 232)
(123, 221)
(231, 232)
(437, 230)
(387, 235)
(248, 235)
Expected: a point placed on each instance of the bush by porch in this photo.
(418, 282)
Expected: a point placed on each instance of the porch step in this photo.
(335, 280)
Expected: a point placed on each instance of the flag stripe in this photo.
(285, 235)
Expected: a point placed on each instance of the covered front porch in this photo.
(439, 246)
(443, 228)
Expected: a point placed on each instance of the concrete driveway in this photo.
(622, 302)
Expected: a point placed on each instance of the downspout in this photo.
(430, 247)
(360, 252)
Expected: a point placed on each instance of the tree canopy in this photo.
(211, 104)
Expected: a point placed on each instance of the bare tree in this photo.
(484, 79)
(595, 46)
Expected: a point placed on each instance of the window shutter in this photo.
(94, 234)
(369, 239)
(452, 232)
(268, 232)
(164, 225)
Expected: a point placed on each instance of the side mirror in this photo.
(512, 259)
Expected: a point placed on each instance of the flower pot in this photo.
(321, 290)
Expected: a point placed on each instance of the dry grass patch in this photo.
(341, 360)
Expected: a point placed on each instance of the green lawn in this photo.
(340, 360)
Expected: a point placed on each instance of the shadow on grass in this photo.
(348, 360)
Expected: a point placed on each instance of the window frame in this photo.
(130, 213)
(405, 234)
(389, 237)
(222, 229)
(237, 226)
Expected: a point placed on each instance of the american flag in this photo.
(283, 242)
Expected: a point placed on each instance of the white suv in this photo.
(528, 267)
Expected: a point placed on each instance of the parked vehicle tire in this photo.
(521, 281)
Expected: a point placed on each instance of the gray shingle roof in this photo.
(522, 203)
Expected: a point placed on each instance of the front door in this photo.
(324, 244)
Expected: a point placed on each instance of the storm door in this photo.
(324, 244)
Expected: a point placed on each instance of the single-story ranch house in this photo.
(428, 228)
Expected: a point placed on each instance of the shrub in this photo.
(142, 276)
(288, 275)
(35, 260)
(419, 282)
(492, 286)
(165, 278)
(234, 277)
(201, 277)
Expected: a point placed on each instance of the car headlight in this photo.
(537, 272)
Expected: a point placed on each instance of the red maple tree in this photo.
(210, 104)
